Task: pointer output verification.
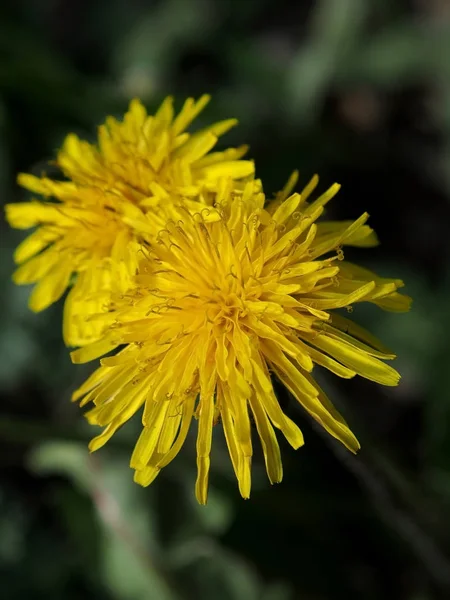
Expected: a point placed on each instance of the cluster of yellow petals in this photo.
(174, 261)
(85, 231)
(223, 299)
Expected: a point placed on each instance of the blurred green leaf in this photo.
(217, 516)
(128, 538)
(394, 57)
(335, 28)
(65, 458)
(145, 55)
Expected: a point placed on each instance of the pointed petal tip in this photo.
(232, 122)
(37, 306)
(137, 478)
(20, 178)
(202, 497)
(75, 357)
(92, 447)
(135, 102)
(245, 492)
(276, 481)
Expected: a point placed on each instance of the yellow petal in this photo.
(148, 439)
(33, 244)
(330, 420)
(188, 411)
(51, 287)
(204, 439)
(356, 331)
(269, 442)
(356, 359)
(237, 169)
(196, 147)
(146, 476)
(94, 350)
(285, 210)
(188, 113)
(395, 303)
(364, 237)
(36, 268)
(91, 382)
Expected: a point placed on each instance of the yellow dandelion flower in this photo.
(219, 306)
(138, 167)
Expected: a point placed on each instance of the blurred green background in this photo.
(356, 90)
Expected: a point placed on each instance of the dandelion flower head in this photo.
(218, 308)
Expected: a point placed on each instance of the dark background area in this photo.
(356, 90)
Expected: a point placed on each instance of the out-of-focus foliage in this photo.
(357, 90)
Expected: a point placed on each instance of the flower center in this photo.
(224, 307)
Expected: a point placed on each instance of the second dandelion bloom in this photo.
(219, 306)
